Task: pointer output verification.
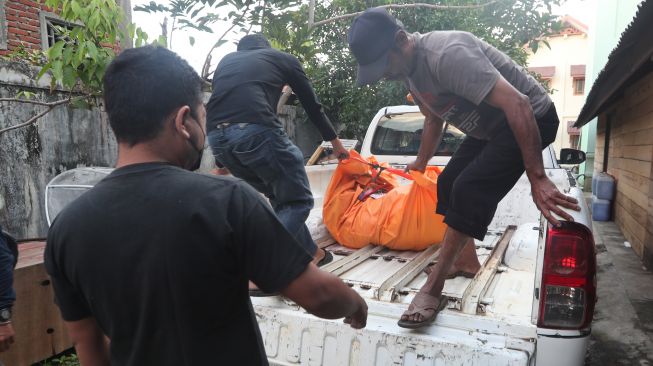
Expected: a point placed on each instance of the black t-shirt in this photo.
(247, 86)
(161, 258)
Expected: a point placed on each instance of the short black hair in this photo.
(143, 86)
(253, 42)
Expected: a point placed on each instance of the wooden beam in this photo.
(389, 288)
(479, 285)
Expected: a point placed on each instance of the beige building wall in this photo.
(566, 50)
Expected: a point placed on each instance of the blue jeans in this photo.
(265, 158)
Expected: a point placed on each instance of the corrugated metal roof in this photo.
(626, 62)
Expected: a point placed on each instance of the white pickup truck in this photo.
(531, 303)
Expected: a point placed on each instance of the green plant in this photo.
(79, 57)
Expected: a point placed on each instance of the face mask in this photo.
(200, 151)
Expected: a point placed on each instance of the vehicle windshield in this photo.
(401, 134)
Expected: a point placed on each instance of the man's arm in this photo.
(326, 296)
(521, 120)
(91, 345)
(274, 260)
(430, 137)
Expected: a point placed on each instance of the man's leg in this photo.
(467, 261)
(266, 159)
(469, 205)
(466, 265)
(451, 247)
(293, 199)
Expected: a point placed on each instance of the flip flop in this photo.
(328, 258)
(420, 303)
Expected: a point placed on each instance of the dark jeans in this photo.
(481, 173)
(7, 264)
(265, 158)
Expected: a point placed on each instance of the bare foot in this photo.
(319, 255)
(467, 264)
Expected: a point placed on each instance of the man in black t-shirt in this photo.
(150, 267)
(248, 138)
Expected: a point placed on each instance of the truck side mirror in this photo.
(571, 156)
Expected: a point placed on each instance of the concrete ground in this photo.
(622, 331)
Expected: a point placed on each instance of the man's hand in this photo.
(358, 320)
(416, 165)
(548, 198)
(6, 336)
(338, 150)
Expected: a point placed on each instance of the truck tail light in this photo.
(568, 289)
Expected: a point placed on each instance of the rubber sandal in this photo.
(420, 303)
(328, 258)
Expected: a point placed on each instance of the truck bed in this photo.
(474, 329)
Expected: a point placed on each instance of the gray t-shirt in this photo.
(454, 73)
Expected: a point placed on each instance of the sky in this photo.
(582, 10)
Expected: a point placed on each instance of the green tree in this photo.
(508, 25)
(241, 15)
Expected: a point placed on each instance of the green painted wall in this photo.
(611, 19)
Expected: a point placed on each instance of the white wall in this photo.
(565, 51)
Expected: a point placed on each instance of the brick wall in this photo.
(23, 26)
(630, 162)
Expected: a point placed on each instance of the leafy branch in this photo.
(50, 106)
(395, 6)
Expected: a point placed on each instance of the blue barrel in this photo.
(600, 209)
(604, 187)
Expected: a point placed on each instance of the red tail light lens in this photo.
(568, 290)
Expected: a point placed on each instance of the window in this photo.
(52, 29)
(401, 134)
(579, 86)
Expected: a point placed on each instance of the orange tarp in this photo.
(403, 218)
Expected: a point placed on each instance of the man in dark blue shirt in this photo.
(247, 137)
(7, 293)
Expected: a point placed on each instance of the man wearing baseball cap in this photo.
(506, 114)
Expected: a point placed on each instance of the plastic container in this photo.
(594, 180)
(600, 209)
(604, 189)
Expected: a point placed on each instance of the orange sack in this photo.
(403, 218)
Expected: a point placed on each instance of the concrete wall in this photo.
(566, 50)
(629, 160)
(30, 157)
(68, 138)
(300, 129)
